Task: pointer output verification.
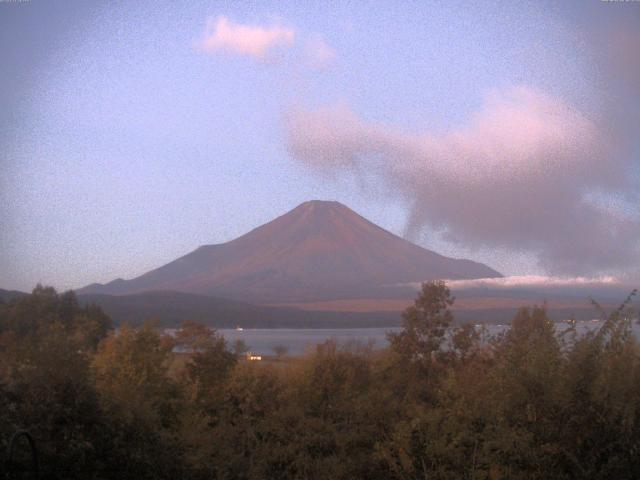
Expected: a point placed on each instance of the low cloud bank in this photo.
(533, 281)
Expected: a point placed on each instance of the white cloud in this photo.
(516, 176)
(221, 34)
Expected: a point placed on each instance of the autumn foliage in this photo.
(441, 402)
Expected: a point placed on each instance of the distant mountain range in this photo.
(171, 308)
(7, 295)
(318, 251)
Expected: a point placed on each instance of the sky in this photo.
(133, 132)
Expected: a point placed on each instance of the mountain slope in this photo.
(317, 251)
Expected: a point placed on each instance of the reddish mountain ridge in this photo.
(318, 251)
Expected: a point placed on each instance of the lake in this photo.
(298, 340)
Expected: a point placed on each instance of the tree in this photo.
(425, 323)
(131, 372)
(240, 348)
(45, 382)
(280, 351)
(143, 403)
(209, 361)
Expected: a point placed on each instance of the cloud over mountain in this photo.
(521, 174)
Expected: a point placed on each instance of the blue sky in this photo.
(133, 132)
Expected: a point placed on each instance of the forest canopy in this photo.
(442, 401)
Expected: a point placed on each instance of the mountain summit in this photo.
(320, 250)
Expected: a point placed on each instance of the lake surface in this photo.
(298, 340)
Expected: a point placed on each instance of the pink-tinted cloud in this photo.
(221, 34)
(515, 176)
(319, 54)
